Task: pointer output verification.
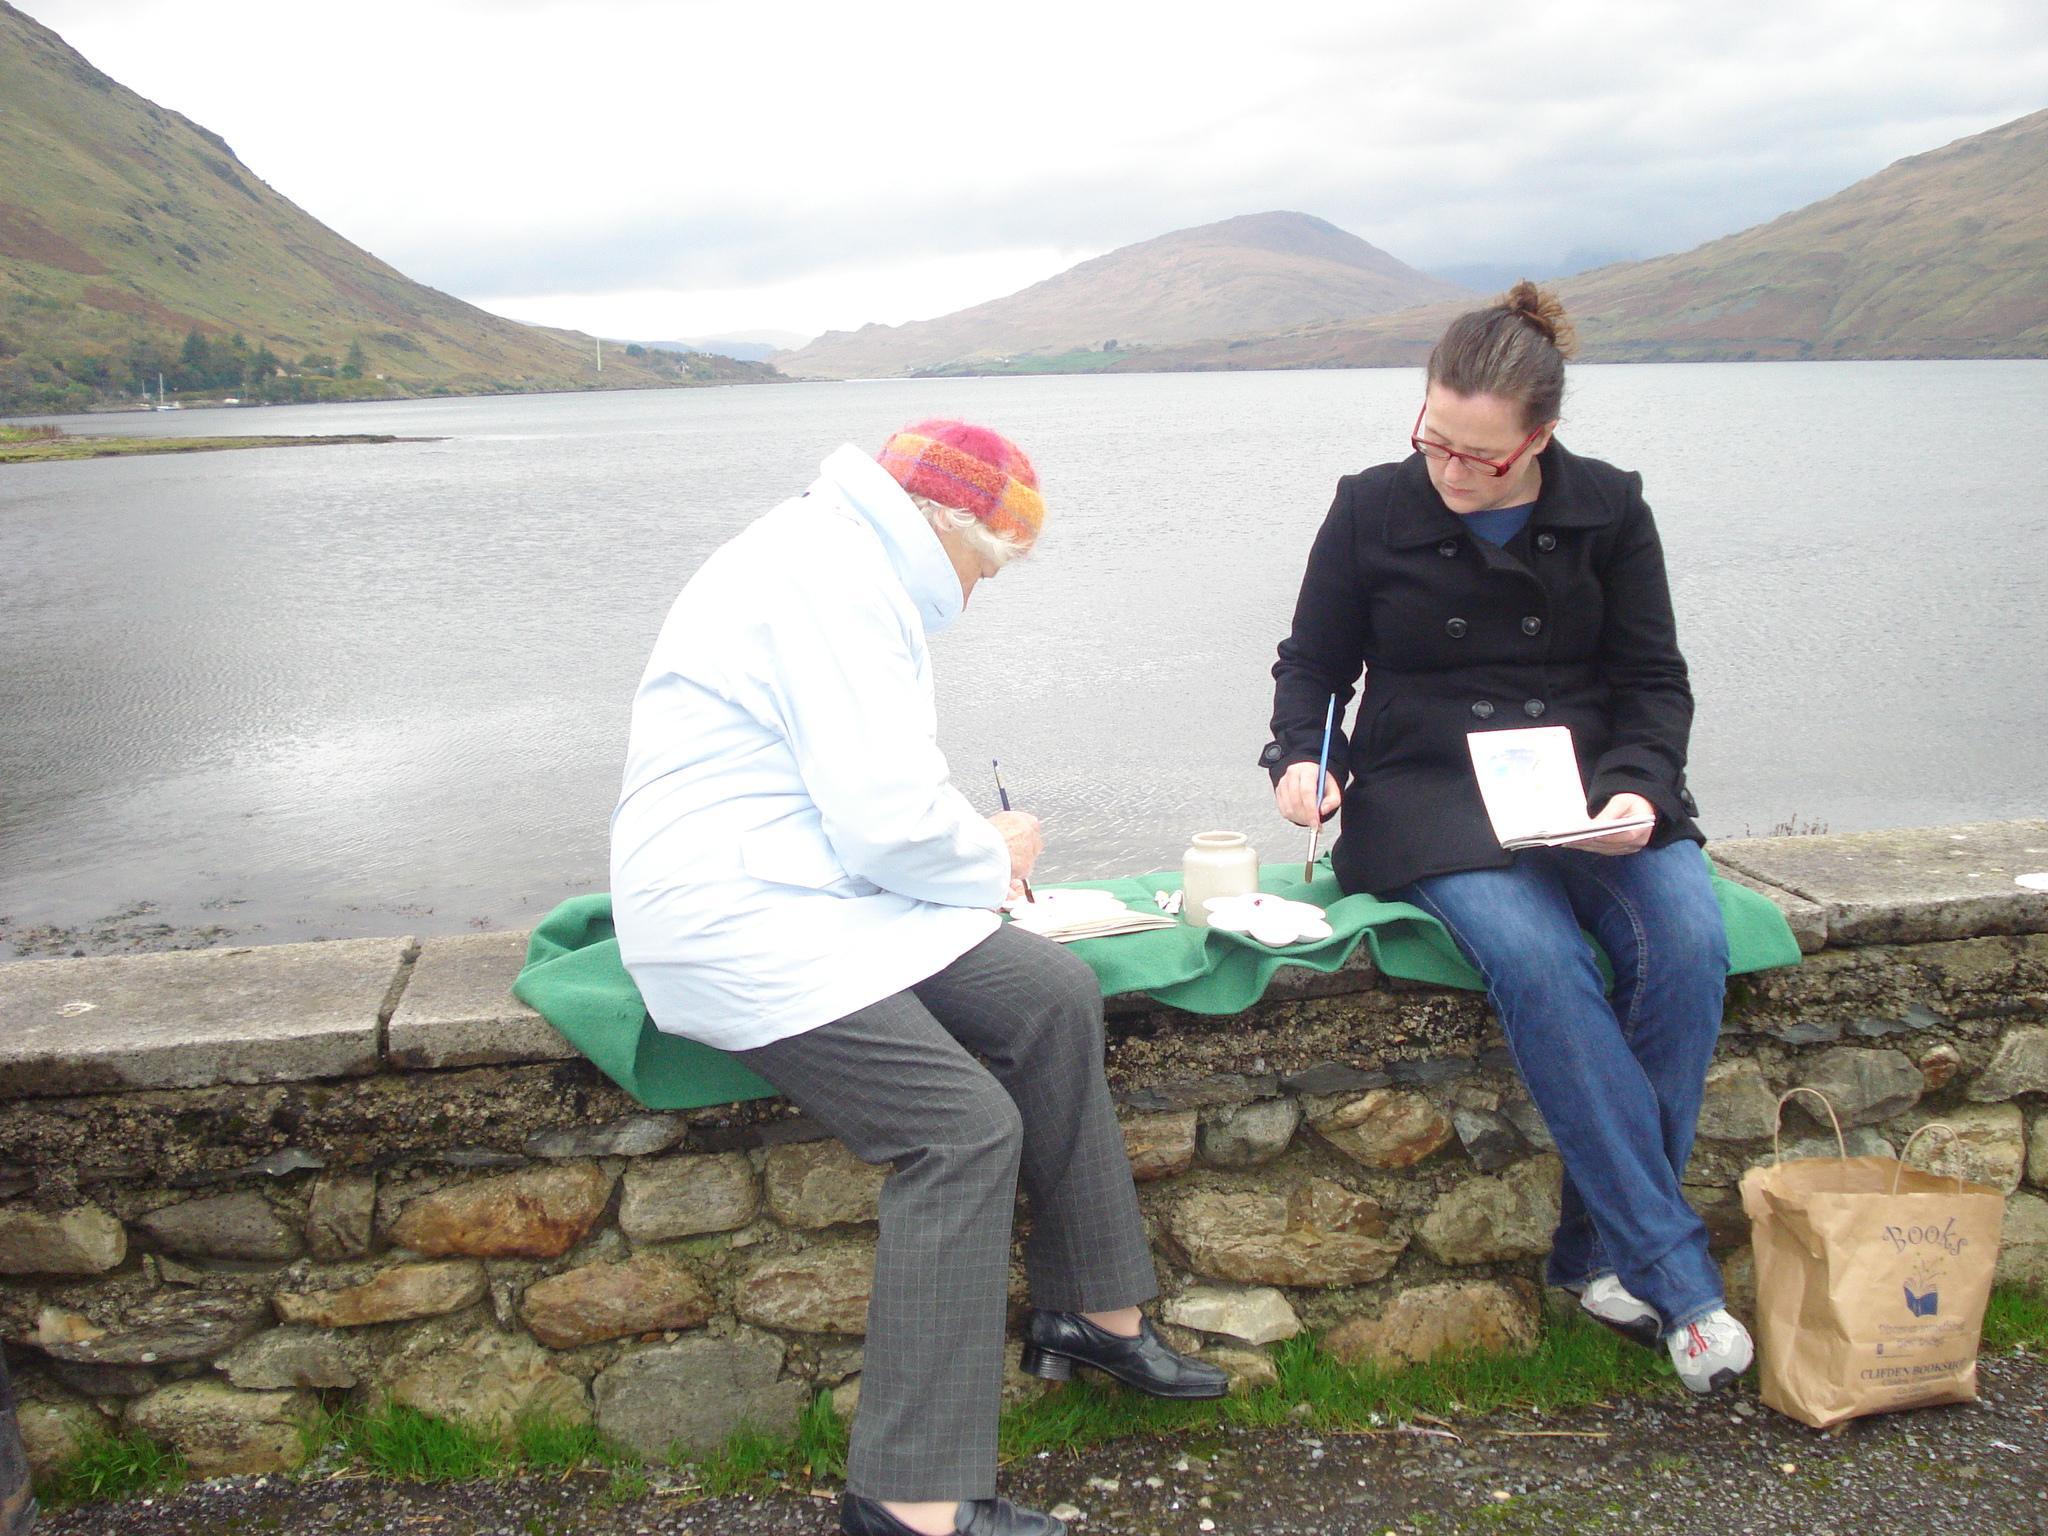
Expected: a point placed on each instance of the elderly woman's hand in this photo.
(1621, 808)
(1295, 795)
(1021, 834)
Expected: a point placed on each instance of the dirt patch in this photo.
(27, 238)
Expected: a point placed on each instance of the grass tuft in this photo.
(403, 1442)
(748, 1460)
(113, 1467)
(821, 1441)
(2016, 1319)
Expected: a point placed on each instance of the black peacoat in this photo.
(1569, 624)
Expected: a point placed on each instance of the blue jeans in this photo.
(1618, 1079)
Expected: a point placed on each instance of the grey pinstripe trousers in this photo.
(898, 1082)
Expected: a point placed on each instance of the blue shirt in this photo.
(1499, 524)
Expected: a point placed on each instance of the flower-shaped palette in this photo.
(1272, 920)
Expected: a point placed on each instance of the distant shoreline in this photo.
(43, 450)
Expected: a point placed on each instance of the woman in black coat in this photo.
(1493, 581)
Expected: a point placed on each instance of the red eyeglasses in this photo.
(1442, 452)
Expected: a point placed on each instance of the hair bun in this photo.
(1544, 311)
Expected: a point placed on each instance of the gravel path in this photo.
(1665, 1466)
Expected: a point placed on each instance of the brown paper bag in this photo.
(1871, 1281)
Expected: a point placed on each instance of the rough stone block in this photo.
(1989, 1145)
(821, 1290)
(1864, 1085)
(1908, 885)
(241, 1225)
(821, 1184)
(83, 1240)
(398, 1294)
(1485, 1220)
(1939, 1065)
(53, 1433)
(1488, 1137)
(646, 1294)
(538, 1213)
(1739, 1104)
(195, 1017)
(458, 1009)
(674, 1197)
(1384, 1128)
(1857, 1141)
(2020, 1065)
(1247, 1135)
(1315, 1232)
(1528, 1119)
(168, 1327)
(1257, 1315)
(1429, 1320)
(627, 1136)
(1160, 1146)
(488, 1380)
(1333, 1077)
(296, 1357)
(107, 1380)
(223, 1432)
(1249, 1369)
(695, 1393)
(2037, 1149)
(341, 1216)
(2023, 1244)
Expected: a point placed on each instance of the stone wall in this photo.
(234, 1181)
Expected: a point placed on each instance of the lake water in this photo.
(342, 691)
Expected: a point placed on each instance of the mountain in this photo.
(127, 230)
(1943, 254)
(1256, 272)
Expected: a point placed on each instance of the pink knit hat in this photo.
(971, 468)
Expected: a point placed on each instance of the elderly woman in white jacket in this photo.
(796, 880)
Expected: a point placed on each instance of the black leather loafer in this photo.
(978, 1517)
(1056, 1342)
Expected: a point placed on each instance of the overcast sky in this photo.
(663, 168)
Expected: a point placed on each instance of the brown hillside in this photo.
(1943, 254)
(1257, 272)
(124, 227)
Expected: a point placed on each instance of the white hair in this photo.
(1001, 548)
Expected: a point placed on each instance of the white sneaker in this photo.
(1607, 1301)
(1710, 1353)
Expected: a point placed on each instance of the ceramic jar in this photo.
(1216, 864)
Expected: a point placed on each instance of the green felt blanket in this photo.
(574, 978)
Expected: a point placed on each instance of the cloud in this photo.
(623, 147)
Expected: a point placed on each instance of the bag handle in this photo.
(1778, 1123)
(1899, 1168)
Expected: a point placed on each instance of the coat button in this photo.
(1546, 542)
(1533, 709)
(1448, 549)
(1456, 628)
(1483, 710)
(1532, 625)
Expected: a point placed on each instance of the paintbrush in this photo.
(1315, 831)
(1003, 795)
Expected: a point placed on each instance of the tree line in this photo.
(38, 379)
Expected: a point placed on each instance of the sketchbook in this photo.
(1069, 915)
(1529, 779)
